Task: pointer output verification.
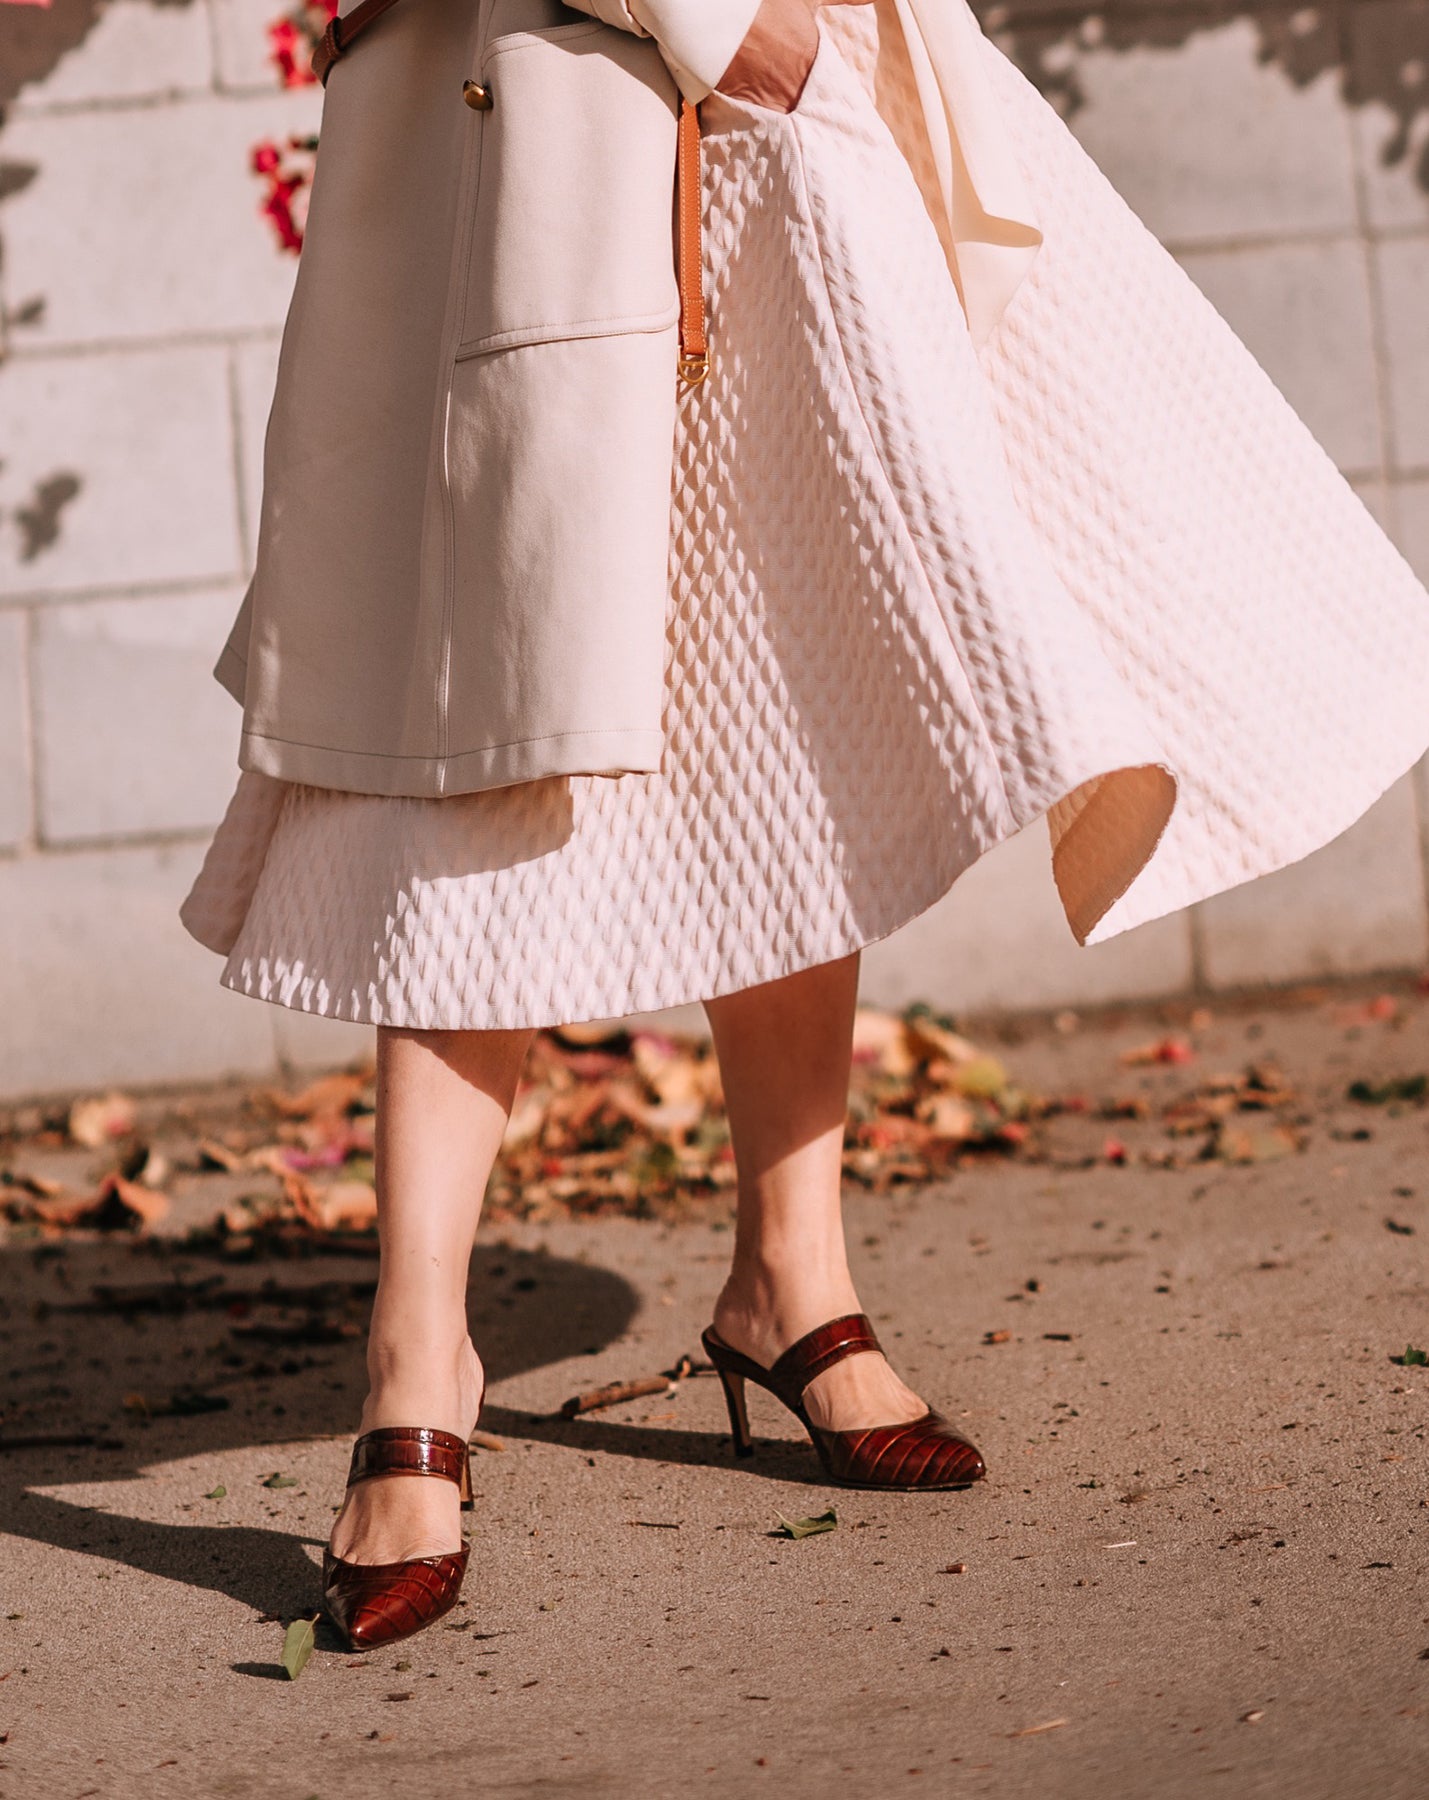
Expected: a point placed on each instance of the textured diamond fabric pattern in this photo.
(921, 596)
(1253, 609)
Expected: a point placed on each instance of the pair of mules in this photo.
(377, 1603)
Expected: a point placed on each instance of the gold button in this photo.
(476, 95)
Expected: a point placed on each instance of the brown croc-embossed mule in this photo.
(923, 1454)
(377, 1603)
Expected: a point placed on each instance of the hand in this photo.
(772, 64)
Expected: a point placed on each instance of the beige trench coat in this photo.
(462, 570)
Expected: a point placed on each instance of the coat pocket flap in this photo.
(572, 231)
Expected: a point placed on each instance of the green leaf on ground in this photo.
(218, 1493)
(981, 1077)
(298, 1641)
(275, 1480)
(1412, 1358)
(802, 1528)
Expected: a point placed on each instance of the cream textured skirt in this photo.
(869, 526)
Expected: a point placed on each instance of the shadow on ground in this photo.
(146, 1353)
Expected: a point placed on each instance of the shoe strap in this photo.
(820, 1349)
(407, 1450)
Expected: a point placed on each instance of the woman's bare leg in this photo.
(443, 1098)
(785, 1049)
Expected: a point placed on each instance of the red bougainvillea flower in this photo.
(293, 38)
(286, 182)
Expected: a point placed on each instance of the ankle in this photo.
(764, 1307)
(432, 1380)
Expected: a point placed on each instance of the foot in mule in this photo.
(761, 1318)
(397, 1558)
(867, 1426)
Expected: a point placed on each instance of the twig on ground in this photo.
(612, 1395)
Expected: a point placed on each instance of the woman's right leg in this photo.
(443, 1099)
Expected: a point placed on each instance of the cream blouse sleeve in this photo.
(697, 38)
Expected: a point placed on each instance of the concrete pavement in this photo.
(1198, 1566)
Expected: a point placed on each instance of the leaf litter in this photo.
(620, 1120)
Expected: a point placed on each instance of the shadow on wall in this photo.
(1380, 49)
(34, 38)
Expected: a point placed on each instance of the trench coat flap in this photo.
(463, 565)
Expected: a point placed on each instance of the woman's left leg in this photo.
(785, 1051)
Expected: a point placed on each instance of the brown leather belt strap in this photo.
(340, 33)
(694, 362)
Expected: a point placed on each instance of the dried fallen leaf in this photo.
(810, 1527)
(675, 1075)
(1037, 1730)
(667, 1122)
(1235, 1144)
(221, 1156)
(40, 1187)
(927, 1039)
(218, 1493)
(1160, 1050)
(486, 1440)
(880, 1039)
(146, 1165)
(527, 1117)
(298, 1641)
(116, 1205)
(100, 1120)
(948, 1116)
(349, 1205)
(331, 1094)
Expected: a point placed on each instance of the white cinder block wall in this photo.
(1282, 154)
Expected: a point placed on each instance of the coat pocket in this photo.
(572, 227)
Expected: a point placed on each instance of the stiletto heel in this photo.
(377, 1603)
(733, 1385)
(925, 1453)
